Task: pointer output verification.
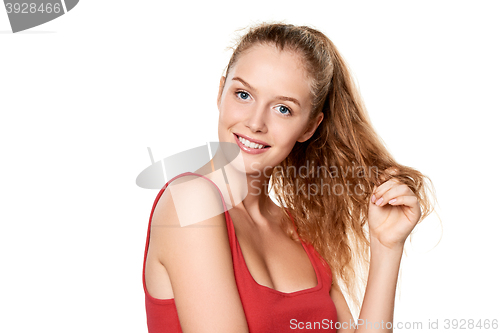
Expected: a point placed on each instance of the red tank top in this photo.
(266, 309)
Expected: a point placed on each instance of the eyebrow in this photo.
(283, 98)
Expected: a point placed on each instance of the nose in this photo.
(257, 118)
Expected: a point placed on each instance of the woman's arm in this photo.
(378, 303)
(393, 213)
(198, 258)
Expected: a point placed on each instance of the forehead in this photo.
(278, 71)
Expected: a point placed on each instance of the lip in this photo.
(247, 149)
(252, 140)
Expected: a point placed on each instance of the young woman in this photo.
(221, 256)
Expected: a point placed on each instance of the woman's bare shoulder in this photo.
(188, 200)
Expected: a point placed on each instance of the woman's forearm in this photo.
(377, 311)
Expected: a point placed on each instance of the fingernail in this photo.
(373, 198)
(379, 201)
(392, 201)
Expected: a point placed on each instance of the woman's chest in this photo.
(273, 259)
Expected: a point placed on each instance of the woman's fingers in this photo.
(380, 190)
(383, 196)
(410, 201)
(407, 200)
(386, 181)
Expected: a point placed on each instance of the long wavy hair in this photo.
(338, 166)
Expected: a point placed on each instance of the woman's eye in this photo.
(284, 110)
(242, 94)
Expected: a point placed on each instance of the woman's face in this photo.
(266, 97)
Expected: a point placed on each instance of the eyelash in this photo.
(285, 115)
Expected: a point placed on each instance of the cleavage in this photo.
(275, 261)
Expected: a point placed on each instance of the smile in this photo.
(251, 147)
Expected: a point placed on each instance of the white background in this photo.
(83, 96)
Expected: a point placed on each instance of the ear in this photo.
(221, 88)
(311, 128)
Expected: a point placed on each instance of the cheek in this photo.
(285, 136)
(231, 111)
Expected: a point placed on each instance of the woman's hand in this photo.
(393, 213)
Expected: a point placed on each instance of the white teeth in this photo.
(250, 144)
